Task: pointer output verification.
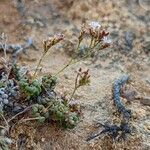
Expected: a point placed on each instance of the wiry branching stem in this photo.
(38, 65)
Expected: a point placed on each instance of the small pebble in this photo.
(17, 109)
(129, 95)
(145, 101)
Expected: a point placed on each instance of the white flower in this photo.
(106, 40)
(94, 25)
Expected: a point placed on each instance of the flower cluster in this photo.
(51, 41)
(47, 44)
(94, 25)
(82, 78)
(97, 35)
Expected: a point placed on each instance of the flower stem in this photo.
(38, 64)
(78, 46)
(68, 64)
(72, 60)
(76, 86)
(91, 42)
(32, 119)
(73, 92)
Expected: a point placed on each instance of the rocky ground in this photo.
(129, 24)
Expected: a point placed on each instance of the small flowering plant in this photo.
(24, 92)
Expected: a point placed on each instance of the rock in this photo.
(138, 113)
(40, 23)
(17, 109)
(146, 46)
(146, 146)
(114, 34)
(129, 95)
(145, 101)
(148, 81)
(30, 20)
(129, 37)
